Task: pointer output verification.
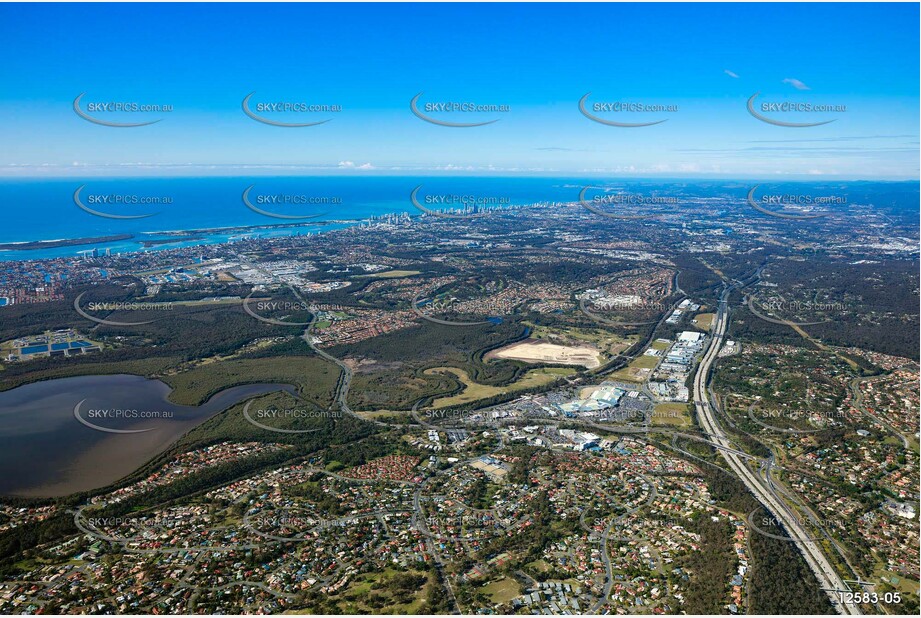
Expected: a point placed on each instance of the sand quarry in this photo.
(536, 351)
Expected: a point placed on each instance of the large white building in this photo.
(690, 336)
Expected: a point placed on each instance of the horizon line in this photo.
(467, 174)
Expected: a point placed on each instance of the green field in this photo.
(676, 414)
(391, 274)
(474, 391)
(567, 335)
(638, 370)
(369, 593)
(502, 591)
(645, 362)
(314, 378)
(704, 320)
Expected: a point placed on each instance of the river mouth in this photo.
(78, 434)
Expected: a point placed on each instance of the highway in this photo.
(761, 488)
(826, 575)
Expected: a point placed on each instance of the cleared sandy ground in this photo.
(533, 351)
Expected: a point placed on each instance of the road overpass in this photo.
(828, 579)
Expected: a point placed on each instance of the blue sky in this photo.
(538, 60)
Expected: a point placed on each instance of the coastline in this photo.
(268, 226)
(34, 245)
(22, 251)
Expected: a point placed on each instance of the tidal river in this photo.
(49, 452)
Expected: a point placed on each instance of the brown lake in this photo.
(47, 451)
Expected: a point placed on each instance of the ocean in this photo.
(43, 209)
(46, 209)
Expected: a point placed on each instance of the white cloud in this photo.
(730, 73)
(350, 165)
(796, 83)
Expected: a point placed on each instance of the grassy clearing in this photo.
(396, 591)
(639, 370)
(540, 566)
(902, 584)
(391, 274)
(703, 320)
(631, 374)
(502, 591)
(675, 414)
(645, 362)
(391, 415)
(474, 391)
(205, 303)
(599, 338)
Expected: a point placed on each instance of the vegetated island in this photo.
(168, 241)
(64, 242)
(246, 228)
